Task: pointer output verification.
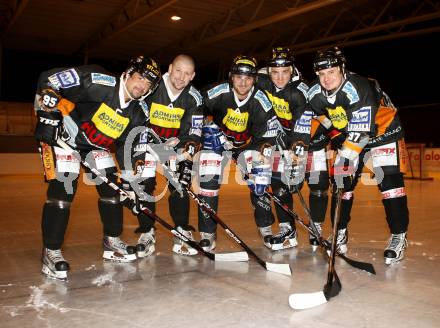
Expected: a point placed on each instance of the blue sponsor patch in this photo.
(145, 108)
(303, 88)
(360, 120)
(196, 125)
(304, 124)
(103, 79)
(313, 91)
(65, 79)
(196, 95)
(263, 100)
(218, 90)
(351, 92)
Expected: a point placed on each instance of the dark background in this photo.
(407, 69)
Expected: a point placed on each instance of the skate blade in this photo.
(314, 248)
(285, 245)
(116, 257)
(184, 250)
(57, 275)
(146, 253)
(391, 261)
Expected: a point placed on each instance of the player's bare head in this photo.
(181, 72)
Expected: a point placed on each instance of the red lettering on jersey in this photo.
(165, 133)
(95, 136)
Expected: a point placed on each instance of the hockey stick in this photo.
(237, 256)
(368, 267)
(274, 267)
(365, 266)
(331, 288)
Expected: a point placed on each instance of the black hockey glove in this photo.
(185, 168)
(48, 127)
(337, 138)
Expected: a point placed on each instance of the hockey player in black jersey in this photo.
(243, 122)
(175, 116)
(362, 123)
(288, 93)
(91, 110)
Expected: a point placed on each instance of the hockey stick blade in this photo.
(302, 301)
(279, 268)
(232, 257)
(365, 266)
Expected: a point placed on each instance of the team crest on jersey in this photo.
(263, 100)
(304, 124)
(218, 90)
(338, 116)
(235, 120)
(313, 91)
(361, 120)
(351, 92)
(103, 79)
(109, 122)
(65, 79)
(196, 95)
(196, 125)
(281, 107)
(303, 88)
(166, 117)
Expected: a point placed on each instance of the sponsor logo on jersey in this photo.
(65, 79)
(196, 95)
(272, 128)
(361, 120)
(235, 120)
(304, 124)
(143, 137)
(166, 117)
(303, 88)
(218, 90)
(263, 100)
(196, 125)
(103, 79)
(281, 107)
(145, 108)
(338, 116)
(313, 91)
(351, 92)
(109, 122)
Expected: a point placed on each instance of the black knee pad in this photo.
(57, 191)
(54, 222)
(391, 181)
(280, 190)
(318, 202)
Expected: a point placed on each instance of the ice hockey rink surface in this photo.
(168, 290)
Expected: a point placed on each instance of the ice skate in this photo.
(285, 238)
(341, 241)
(117, 250)
(181, 247)
(146, 244)
(207, 241)
(395, 251)
(54, 264)
(267, 234)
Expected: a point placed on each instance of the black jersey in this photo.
(176, 116)
(291, 107)
(388, 126)
(94, 115)
(351, 109)
(251, 120)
